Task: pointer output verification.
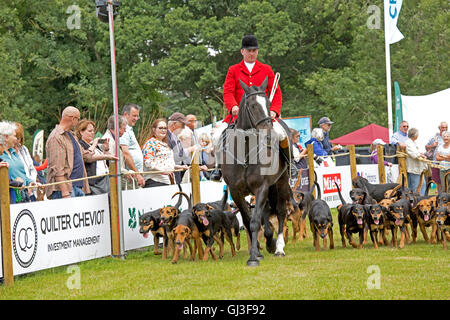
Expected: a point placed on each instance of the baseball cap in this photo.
(325, 120)
(178, 116)
(378, 141)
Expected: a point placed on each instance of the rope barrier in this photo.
(399, 153)
(98, 176)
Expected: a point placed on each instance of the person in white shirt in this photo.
(132, 152)
(443, 155)
(432, 147)
(414, 165)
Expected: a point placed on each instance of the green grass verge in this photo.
(418, 271)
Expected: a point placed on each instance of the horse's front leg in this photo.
(255, 225)
(281, 215)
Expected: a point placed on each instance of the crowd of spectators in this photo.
(77, 162)
(74, 153)
(437, 149)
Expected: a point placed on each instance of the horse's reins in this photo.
(252, 118)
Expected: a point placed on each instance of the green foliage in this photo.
(174, 55)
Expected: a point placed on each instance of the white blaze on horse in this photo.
(245, 173)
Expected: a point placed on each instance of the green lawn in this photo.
(420, 271)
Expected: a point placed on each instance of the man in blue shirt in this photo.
(401, 135)
(325, 123)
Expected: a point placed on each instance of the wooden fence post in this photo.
(351, 149)
(8, 275)
(114, 204)
(195, 179)
(309, 147)
(402, 166)
(380, 156)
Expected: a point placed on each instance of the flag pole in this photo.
(388, 71)
(116, 126)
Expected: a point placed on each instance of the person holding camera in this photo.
(97, 165)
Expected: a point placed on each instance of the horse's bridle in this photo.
(252, 119)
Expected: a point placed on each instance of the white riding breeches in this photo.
(276, 127)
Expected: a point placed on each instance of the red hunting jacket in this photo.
(232, 91)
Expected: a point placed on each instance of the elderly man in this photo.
(401, 135)
(325, 123)
(65, 158)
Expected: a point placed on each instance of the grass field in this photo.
(418, 271)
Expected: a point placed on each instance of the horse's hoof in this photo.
(252, 263)
(260, 257)
(271, 246)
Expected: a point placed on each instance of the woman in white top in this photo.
(443, 155)
(158, 156)
(414, 165)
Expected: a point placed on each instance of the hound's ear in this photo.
(210, 207)
(244, 86)
(187, 230)
(263, 86)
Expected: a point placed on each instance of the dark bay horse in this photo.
(257, 168)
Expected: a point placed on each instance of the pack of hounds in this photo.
(375, 209)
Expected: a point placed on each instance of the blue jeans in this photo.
(76, 192)
(414, 181)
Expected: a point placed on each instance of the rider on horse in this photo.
(252, 73)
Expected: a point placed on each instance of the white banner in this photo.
(137, 202)
(59, 232)
(391, 12)
(370, 172)
(426, 113)
(326, 177)
(342, 175)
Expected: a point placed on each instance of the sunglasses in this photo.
(162, 128)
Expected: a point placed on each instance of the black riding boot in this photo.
(216, 175)
(288, 155)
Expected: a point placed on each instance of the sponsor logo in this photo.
(25, 238)
(372, 178)
(328, 182)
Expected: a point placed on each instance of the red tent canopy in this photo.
(365, 135)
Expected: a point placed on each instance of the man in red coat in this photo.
(252, 73)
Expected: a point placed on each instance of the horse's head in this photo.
(254, 108)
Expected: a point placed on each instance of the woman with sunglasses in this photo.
(158, 156)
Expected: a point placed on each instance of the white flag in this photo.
(391, 13)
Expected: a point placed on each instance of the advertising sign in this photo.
(326, 176)
(61, 232)
(138, 202)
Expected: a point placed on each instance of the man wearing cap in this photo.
(177, 122)
(325, 123)
(252, 73)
